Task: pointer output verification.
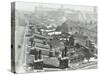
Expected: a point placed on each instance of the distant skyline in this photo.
(30, 6)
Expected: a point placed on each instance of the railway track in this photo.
(88, 65)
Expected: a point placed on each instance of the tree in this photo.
(87, 53)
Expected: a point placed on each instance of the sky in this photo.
(29, 6)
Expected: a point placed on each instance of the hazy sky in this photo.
(29, 6)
